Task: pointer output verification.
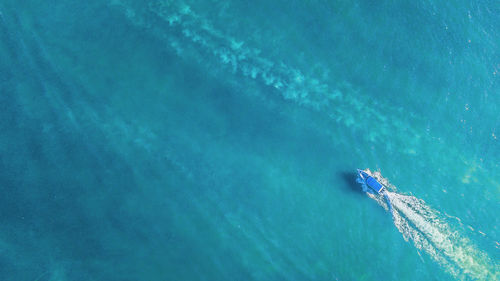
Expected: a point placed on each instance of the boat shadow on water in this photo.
(350, 183)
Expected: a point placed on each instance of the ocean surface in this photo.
(219, 140)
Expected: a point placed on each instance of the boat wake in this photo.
(192, 36)
(429, 232)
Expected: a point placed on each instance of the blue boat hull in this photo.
(366, 178)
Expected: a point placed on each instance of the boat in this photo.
(365, 177)
(371, 185)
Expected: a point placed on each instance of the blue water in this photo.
(218, 140)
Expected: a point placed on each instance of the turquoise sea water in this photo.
(218, 140)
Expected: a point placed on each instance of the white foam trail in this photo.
(430, 233)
